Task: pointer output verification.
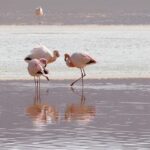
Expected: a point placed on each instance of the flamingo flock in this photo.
(41, 56)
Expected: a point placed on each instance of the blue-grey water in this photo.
(120, 51)
(106, 115)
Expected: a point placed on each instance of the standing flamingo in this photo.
(39, 13)
(42, 52)
(78, 60)
(37, 68)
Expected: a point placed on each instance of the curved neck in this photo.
(68, 60)
(67, 57)
(52, 58)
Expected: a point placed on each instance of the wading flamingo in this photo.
(36, 68)
(78, 60)
(42, 51)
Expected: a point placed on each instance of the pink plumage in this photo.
(79, 60)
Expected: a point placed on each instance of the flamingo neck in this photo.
(68, 60)
(53, 58)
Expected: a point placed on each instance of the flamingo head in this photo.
(56, 53)
(66, 56)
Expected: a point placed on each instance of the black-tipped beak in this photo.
(45, 71)
(47, 78)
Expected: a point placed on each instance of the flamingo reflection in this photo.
(82, 113)
(42, 114)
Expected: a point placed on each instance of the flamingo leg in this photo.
(84, 74)
(77, 79)
(39, 91)
(38, 88)
(35, 98)
(82, 78)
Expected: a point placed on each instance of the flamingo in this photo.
(39, 13)
(78, 60)
(42, 51)
(36, 68)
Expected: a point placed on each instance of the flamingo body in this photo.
(39, 11)
(34, 67)
(43, 52)
(80, 60)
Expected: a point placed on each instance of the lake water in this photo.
(121, 51)
(114, 116)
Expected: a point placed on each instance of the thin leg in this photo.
(35, 96)
(77, 79)
(84, 74)
(39, 91)
(38, 88)
(82, 78)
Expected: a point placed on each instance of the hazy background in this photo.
(76, 11)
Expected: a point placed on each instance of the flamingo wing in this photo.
(41, 52)
(81, 59)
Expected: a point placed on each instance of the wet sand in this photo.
(106, 114)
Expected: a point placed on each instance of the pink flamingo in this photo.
(37, 68)
(79, 60)
(42, 51)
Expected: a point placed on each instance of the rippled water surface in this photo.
(106, 114)
(120, 51)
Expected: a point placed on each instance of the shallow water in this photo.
(121, 51)
(115, 115)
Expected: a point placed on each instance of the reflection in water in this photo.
(122, 120)
(82, 113)
(41, 113)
